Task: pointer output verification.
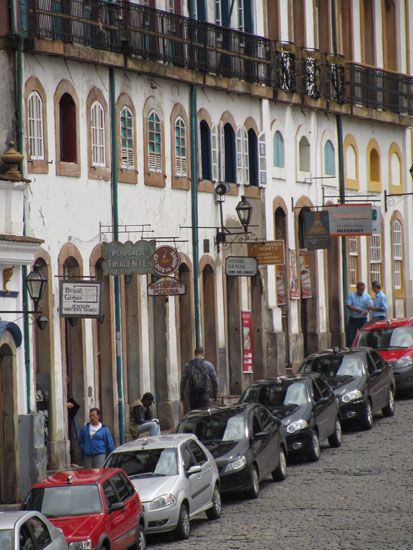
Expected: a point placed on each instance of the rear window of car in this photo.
(331, 366)
(146, 462)
(215, 427)
(6, 539)
(67, 500)
(387, 338)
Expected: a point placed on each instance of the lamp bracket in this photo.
(387, 195)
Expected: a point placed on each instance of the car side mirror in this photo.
(116, 506)
(260, 435)
(195, 469)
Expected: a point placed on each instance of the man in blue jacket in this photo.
(95, 441)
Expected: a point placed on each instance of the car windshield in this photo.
(397, 337)
(287, 392)
(336, 365)
(6, 539)
(67, 500)
(217, 427)
(146, 462)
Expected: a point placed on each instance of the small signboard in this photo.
(241, 266)
(268, 252)
(81, 298)
(317, 230)
(128, 258)
(247, 350)
(376, 219)
(348, 220)
(166, 260)
(166, 286)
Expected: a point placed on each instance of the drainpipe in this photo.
(341, 180)
(115, 235)
(194, 195)
(15, 16)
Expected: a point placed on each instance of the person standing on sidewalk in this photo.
(95, 441)
(358, 303)
(378, 310)
(201, 377)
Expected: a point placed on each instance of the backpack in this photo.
(198, 379)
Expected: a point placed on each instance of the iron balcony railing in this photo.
(139, 31)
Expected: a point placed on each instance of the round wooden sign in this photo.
(166, 260)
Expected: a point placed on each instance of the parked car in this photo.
(94, 508)
(20, 530)
(176, 477)
(247, 442)
(393, 339)
(307, 407)
(362, 381)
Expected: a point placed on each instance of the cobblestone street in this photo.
(357, 497)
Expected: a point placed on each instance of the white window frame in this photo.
(35, 134)
(376, 259)
(221, 151)
(241, 16)
(262, 160)
(181, 169)
(97, 117)
(215, 165)
(242, 154)
(154, 128)
(127, 153)
(397, 241)
(303, 175)
(218, 12)
(353, 264)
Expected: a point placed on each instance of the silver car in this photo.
(176, 478)
(29, 530)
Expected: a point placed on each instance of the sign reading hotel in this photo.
(268, 252)
(127, 258)
(166, 286)
(241, 266)
(317, 230)
(350, 220)
(81, 298)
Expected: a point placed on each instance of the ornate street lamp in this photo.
(36, 284)
(244, 211)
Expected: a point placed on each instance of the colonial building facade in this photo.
(107, 93)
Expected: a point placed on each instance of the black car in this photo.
(361, 379)
(247, 442)
(307, 407)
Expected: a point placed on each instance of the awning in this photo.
(14, 331)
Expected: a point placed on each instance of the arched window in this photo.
(98, 134)
(205, 132)
(376, 258)
(329, 159)
(397, 254)
(278, 150)
(35, 129)
(395, 170)
(252, 157)
(127, 149)
(67, 115)
(373, 167)
(180, 148)
(229, 147)
(351, 165)
(353, 261)
(304, 155)
(154, 143)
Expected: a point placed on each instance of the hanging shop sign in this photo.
(166, 286)
(294, 288)
(305, 275)
(375, 220)
(348, 220)
(166, 260)
(317, 227)
(268, 252)
(280, 285)
(128, 258)
(247, 350)
(241, 266)
(80, 298)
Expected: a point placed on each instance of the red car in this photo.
(393, 339)
(96, 509)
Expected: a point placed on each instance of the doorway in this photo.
(234, 335)
(209, 317)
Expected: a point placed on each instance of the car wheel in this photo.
(367, 418)
(254, 490)
(314, 452)
(140, 543)
(280, 472)
(215, 511)
(184, 526)
(336, 438)
(389, 408)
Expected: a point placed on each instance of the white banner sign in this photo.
(241, 266)
(80, 299)
(350, 219)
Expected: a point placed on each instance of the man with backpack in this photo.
(201, 378)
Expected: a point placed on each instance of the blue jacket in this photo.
(101, 443)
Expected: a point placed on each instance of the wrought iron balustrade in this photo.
(285, 67)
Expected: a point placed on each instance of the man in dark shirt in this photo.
(141, 417)
(199, 397)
